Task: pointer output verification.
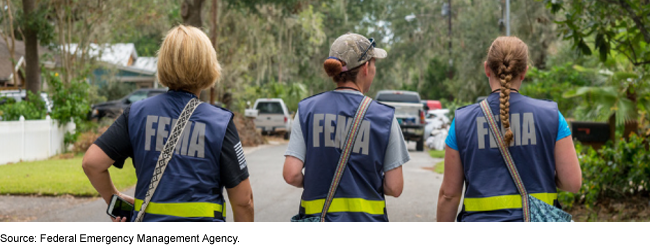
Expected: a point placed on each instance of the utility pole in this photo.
(451, 61)
(215, 36)
(507, 17)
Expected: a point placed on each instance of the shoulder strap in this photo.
(348, 144)
(167, 153)
(505, 153)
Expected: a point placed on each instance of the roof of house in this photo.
(6, 68)
(117, 54)
(149, 64)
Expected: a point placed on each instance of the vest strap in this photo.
(184, 209)
(354, 205)
(345, 153)
(493, 203)
(167, 153)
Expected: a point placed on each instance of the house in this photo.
(8, 71)
(120, 62)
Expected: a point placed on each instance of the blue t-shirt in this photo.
(563, 131)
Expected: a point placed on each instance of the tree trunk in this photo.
(32, 71)
(215, 38)
(191, 12)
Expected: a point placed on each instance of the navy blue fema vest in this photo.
(490, 193)
(325, 120)
(190, 189)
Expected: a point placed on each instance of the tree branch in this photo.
(637, 20)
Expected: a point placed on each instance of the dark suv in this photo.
(112, 109)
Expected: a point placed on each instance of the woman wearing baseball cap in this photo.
(319, 132)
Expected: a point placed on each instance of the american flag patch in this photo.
(240, 156)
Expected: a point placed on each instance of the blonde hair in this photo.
(507, 58)
(187, 60)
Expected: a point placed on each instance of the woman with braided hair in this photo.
(539, 141)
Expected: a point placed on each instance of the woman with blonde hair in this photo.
(207, 155)
(535, 133)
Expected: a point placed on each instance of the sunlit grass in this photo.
(57, 177)
(439, 154)
(439, 167)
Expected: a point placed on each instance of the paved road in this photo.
(275, 201)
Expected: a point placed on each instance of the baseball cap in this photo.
(355, 50)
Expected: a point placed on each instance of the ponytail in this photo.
(507, 58)
(333, 67)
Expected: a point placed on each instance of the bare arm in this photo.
(95, 164)
(451, 189)
(292, 171)
(394, 182)
(241, 200)
(567, 167)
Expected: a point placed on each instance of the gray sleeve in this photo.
(297, 147)
(396, 153)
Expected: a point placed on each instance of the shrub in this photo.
(616, 171)
(32, 109)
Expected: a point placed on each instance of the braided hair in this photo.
(507, 58)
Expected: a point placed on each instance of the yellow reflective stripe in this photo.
(503, 202)
(182, 209)
(358, 205)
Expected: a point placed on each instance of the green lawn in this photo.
(57, 177)
(440, 154)
(440, 167)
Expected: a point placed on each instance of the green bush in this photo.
(616, 171)
(32, 109)
(70, 100)
(551, 84)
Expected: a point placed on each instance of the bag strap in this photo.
(348, 144)
(505, 153)
(167, 153)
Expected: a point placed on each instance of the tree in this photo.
(32, 70)
(621, 25)
(625, 96)
(191, 12)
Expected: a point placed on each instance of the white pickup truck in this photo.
(409, 112)
(273, 115)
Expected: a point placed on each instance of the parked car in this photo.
(409, 113)
(272, 116)
(21, 95)
(112, 109)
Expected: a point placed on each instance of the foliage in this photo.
(622, 26)
(453, 105)
(291, 94)
(57, 177)
(32, 109)
(616, 171)
(70, 101)
(433, 85)
(551, 84)
(38, 20)
(625, 94)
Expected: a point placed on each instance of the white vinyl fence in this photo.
(30, 140)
